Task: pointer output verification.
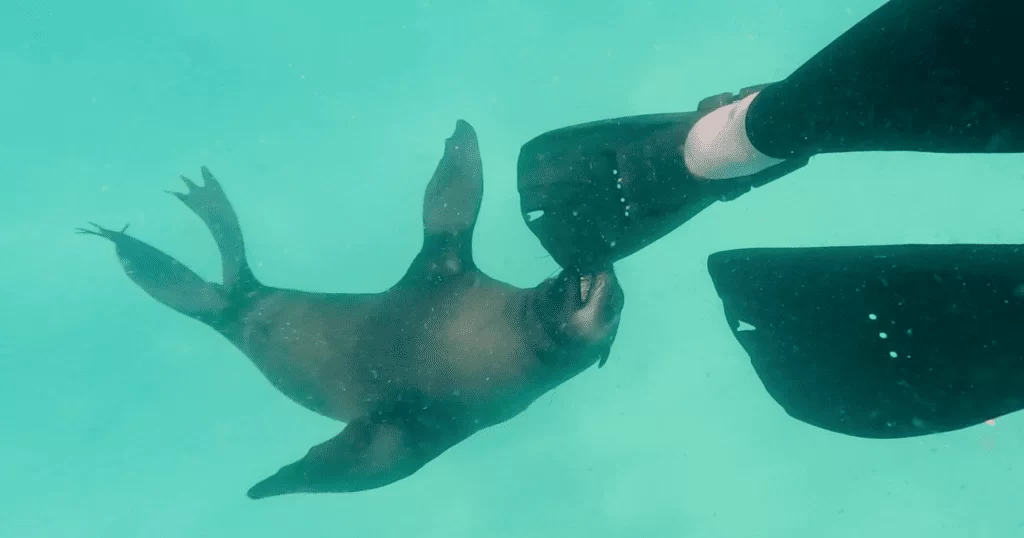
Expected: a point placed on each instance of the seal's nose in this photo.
(602, 299)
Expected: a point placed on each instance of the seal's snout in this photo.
(602, 300)
(586, 282)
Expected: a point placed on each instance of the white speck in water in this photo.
(872, 317)
(373, 373)
(883, 336)
(893, 354)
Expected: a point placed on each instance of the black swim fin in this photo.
(881, 341)
(597, 192)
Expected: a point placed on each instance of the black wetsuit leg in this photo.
(943, 76)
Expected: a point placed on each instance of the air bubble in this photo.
(893, 354)
(872, 317)
(883, 336)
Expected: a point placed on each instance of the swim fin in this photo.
(881, 341)
(597, 192)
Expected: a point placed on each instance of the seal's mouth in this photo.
(600, 303)
(586, 282)
(580, 311)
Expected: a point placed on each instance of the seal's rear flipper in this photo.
(212, 206)
(164, 278)
(881, 341)
(167, 280)
(369, 453)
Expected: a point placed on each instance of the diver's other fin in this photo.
(881, 341)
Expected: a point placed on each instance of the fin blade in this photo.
(881, 341)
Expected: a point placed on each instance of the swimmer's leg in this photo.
(916, 75)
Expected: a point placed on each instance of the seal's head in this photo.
(578, 315)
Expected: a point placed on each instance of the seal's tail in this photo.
(172, 283)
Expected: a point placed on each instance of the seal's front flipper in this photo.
(881, 341)
(369, 453)
(164, 278)
(597, 192)
(453, 196)
(451, 205)
(212, 206)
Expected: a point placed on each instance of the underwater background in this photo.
(324, 121)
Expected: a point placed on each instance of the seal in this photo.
(412, 370)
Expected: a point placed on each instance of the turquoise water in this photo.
(324, 122)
